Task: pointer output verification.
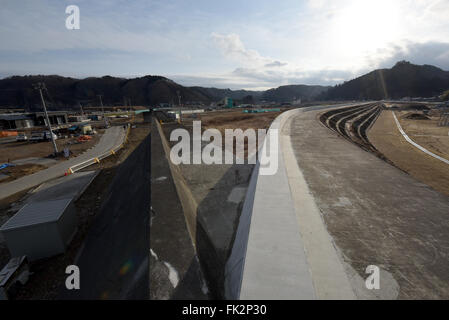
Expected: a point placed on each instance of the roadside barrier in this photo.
(94, 160)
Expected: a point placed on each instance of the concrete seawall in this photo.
(185, 195)
(212, 198)
(271, 256)
(268, 257)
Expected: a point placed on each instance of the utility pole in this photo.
(81, 107)
(179, 104)
(41, 86)
(102, 110)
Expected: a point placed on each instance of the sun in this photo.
(362, 26)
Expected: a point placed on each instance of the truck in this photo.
(40, 136)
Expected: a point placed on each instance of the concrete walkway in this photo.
(273, 260)
(112, 137)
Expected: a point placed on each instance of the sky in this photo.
(245, 44)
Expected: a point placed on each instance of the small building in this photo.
(56, 118)
(31, 119)
(16, 121)
(41, 229)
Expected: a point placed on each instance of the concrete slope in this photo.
(113, 261)
(112, 137)
(174, 267)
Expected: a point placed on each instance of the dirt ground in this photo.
(49, 274)
(21, 150)
(237, 119)
(426, 133)
(234, 119)
(20, 171)
(385, 136)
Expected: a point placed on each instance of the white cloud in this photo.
(263, 43)
(233, 48)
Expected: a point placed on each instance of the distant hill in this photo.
(403, 80)
(218, 94)
(294, 92)
(66, 93)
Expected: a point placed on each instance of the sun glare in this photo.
(364, 26)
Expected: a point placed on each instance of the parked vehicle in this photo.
(21, 137)
(42, 136)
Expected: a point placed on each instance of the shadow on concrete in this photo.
(113, 260)
(213, 226)
(216, 225)
(174, 269)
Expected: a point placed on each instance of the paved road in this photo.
(111, 138)
(376, 214)
(113, 260)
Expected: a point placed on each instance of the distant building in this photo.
(15, 121)
(32, 119)
(165, 105)
(228, 103)
(78, 118)
(95, 117)
(56, 118)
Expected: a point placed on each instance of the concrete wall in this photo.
(211, 217)
(186, 197)
(236, 261)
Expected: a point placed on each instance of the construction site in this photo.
(370, 179)
(52, 191)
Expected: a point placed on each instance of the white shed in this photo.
(41, 229)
